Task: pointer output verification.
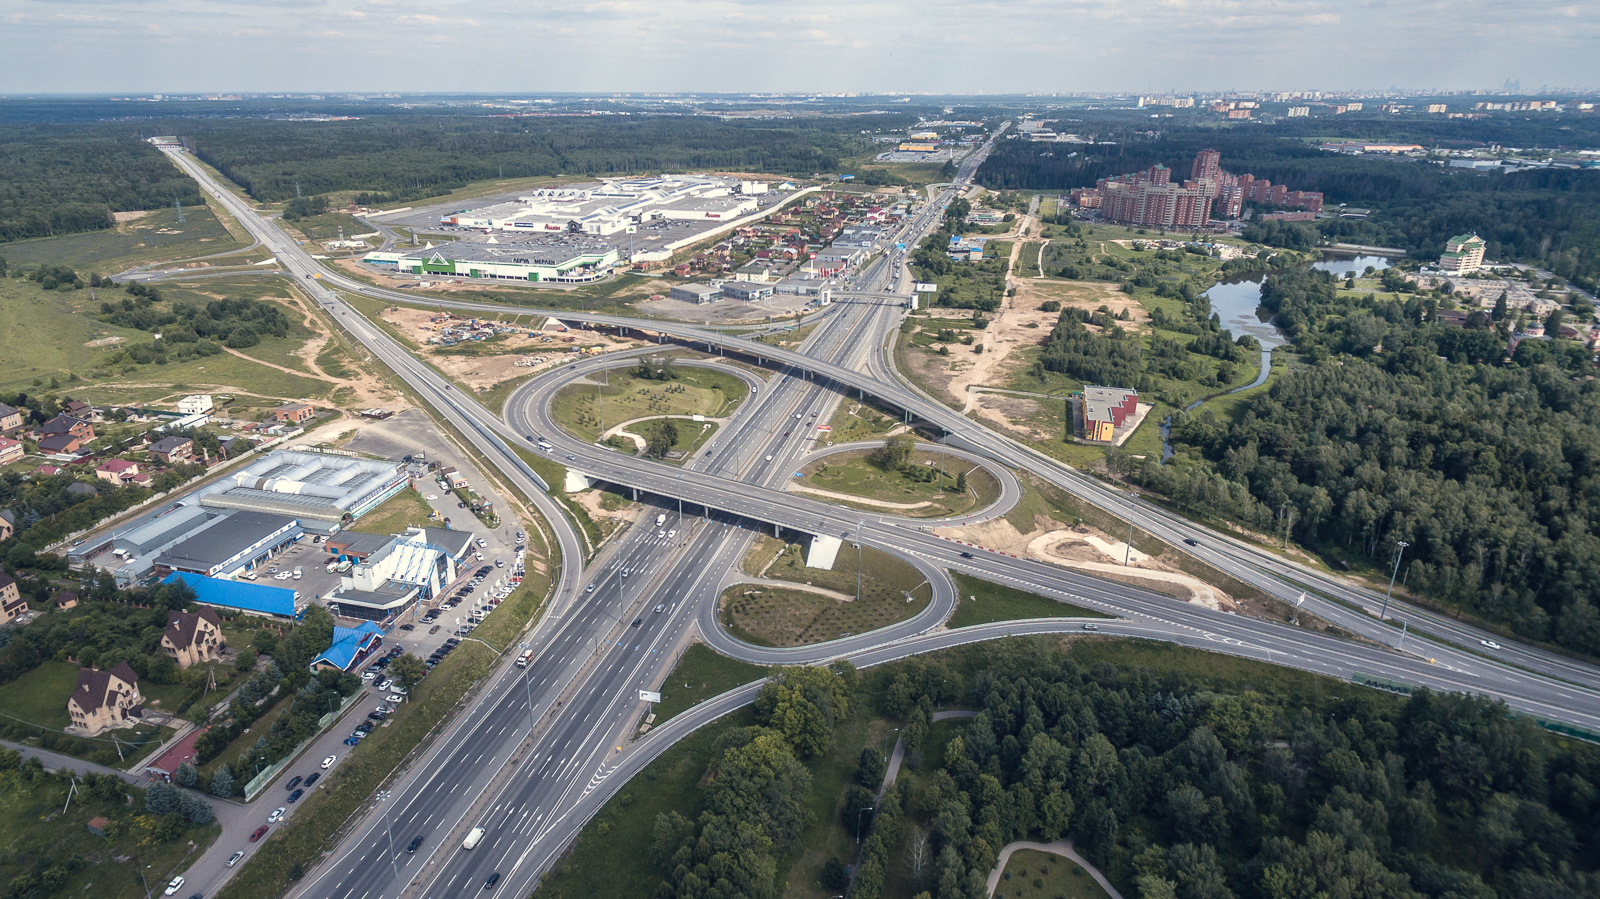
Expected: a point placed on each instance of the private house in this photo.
(66, 599)
(67, 424)
(104, 700)
(193, 637)
(295, 412)
(78, 409)
(58, 444)
(8, 524)
(10, 450)
(11, 419)
(173, 450)
(11, 602)
(117, 471)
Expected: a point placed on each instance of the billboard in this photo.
(647, 696)
(925, 287)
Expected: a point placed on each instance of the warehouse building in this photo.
(240, 596)
(613, 205)
(231, 542)
(570, 261)
(747, 290)
(409, 568)
(323, 490)
(699, 294)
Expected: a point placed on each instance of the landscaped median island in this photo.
(900, 478)
(984, 602)
(622, 401)
(793, 605)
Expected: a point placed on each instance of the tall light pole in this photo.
(858, 558)
(383, 800)
(1400, 552)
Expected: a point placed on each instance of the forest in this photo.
(1177, 785)
(398, 159)
(1550, 217)
(66, 178)
(1404, 429)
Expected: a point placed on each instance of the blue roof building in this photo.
(350, 646)
(245, 597)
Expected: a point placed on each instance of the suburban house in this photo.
(11, 602)
(193, 637)
(173, 450)
(295, 412)
(11, 419)
(67, 424)
(78, 409)
(66, 599)
(104, 700)
(60, 443)
(8, 524)
(117, 471)
(10, 450)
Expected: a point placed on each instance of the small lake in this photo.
(1236, 302)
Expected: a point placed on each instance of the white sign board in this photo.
(647, 696)
(925, 287)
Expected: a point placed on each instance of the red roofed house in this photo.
(192, 638)
(66, 424)
(116, 471)
(104, 700)
(10, 450)
(11, 601)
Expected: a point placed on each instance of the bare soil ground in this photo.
(549, 349)
(1086, 549)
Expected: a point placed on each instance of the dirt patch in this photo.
(129, 216)
(516, 355)
(593, 502)
(1086, 549)
(105, 341)
(1090, 295)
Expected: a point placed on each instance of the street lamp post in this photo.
(1398, 554)
(858, 558)
(383, 800)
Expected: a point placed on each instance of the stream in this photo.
(1238, 304)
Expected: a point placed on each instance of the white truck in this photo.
(473, 838)
(661, 519)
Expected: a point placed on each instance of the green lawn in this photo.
(778, 616)
(982, 602)
(859, 420)
(695, 391)
(158, 236)
(47, 333)
(1031, 874)
(35, 832)
(857, 474)
(699, 675)
(403, 510)
(40, 696)
(327, 225)
(884, 577)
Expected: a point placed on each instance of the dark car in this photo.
(493, 879)
(415, 842)
(351, 741)
(295, 796)
(408, 627)
(966, 555)
(260, 832)
(312, 778)
(1191, 542)
(293, 782)
(637, 622)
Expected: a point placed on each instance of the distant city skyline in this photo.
(969, 47)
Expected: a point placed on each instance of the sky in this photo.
(863, 46)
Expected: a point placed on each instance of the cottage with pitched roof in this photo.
(191, 638)
(104, 700)
(11, 601)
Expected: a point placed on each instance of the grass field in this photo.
(780, 616)
(691, 436)
(35, 832)
(884, 578)
(1031, 874)
(327, 225)
(40, 696)
(982, 602)
(33, 709)
(695, 391)
(701, 674)
(155, 237)
(859, 420)
(47, 333)
(403, 510)
(857, 474)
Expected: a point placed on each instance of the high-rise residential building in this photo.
(1463, 255)
(1207, 166)
(1151, 199)
(1296, 112)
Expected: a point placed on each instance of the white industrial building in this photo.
(615, 205)
(564, 260)
(410, 567)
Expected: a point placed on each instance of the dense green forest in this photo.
(1406, 429)
(401, 159)
(65, 178)
(1551, 217)
(1178, 786)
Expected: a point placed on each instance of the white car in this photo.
(1489, 644)
(173, 887)
(328, 762)
(395, 698)
(277, 815)
(234, 858)
(381, 685)
(369, 675)
(432, 497)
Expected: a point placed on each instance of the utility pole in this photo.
(1398, 554)
(858, 558)
(1403, 626)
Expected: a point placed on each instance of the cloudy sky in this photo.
(958, 46)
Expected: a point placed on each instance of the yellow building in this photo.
(1463, 255)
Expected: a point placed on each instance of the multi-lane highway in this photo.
(543, 747)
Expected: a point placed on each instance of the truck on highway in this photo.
(661, 519)
(525, 658)
(473, 838)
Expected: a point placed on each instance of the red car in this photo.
(260, 832)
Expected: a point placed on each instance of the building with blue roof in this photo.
(242, 596)
(351, 646)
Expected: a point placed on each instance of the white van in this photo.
(472, 838)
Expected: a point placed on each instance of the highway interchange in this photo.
(540, 749)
